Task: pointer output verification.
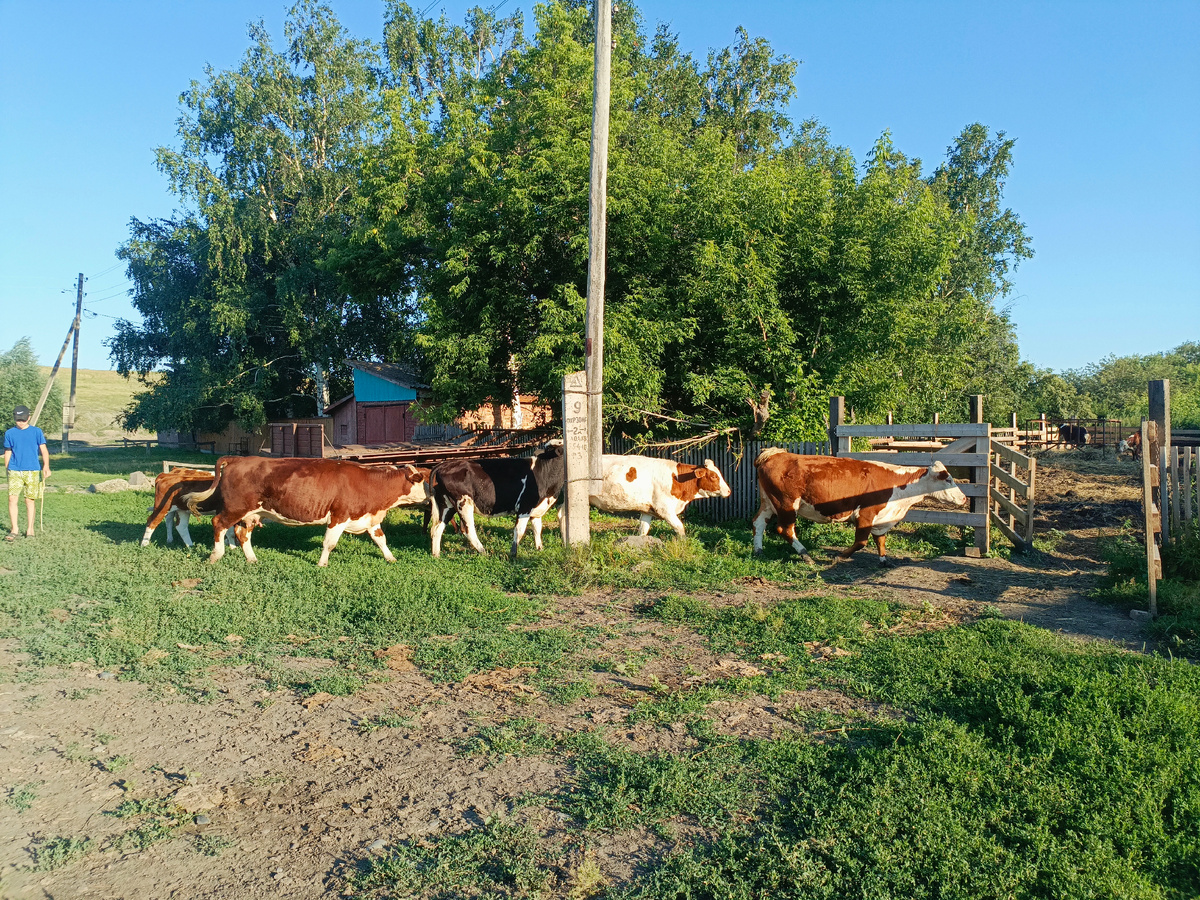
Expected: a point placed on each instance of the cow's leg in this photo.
(787, 527)
(220, 528)
(466, 509)
(537, 532)
(518, 533)
(171, 521)
(376, 533)
(148, 532)
(672, 519)
(644, 524)
(861, 533)
(438, 517)
(765, 511)
(880, 539)
(332, 535)
(182, 517)
(242, 531)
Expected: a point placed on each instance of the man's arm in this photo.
(45, 460)
(7, 457)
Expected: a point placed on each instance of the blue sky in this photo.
(1103, 99)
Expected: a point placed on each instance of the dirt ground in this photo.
(292, 791)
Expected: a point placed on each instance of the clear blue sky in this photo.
(1103, 98)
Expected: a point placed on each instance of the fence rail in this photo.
(1014, 520)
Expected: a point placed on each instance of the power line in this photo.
(106, 271)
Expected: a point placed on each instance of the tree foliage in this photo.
(22, 383)
(427, 202)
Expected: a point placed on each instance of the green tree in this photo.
(22, 383)
(240, 302)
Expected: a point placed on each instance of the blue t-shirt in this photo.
(24, 443)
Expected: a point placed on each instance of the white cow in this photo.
(656, 488)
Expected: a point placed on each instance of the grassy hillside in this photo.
(100, 396)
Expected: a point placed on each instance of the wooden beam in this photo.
(1015, 483)
(1019, 542)
(964, 460)
(1011, 508)
(945, 517)
(930, 431)
(1009, 455)
(1148, 510)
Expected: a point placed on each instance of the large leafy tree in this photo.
(430, 206)
(22, 382)
(243, 302)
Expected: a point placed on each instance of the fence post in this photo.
(1148, 442)
(1160, 415)
(837, 416)
(981, 475)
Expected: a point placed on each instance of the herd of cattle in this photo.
(346, 496)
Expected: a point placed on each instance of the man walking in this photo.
(22, 446)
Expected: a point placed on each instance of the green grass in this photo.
(987, 760)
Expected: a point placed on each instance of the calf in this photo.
(1133, 444)
(343, 496)
(659, 488)
(171, 490)
(527, 487)
(831, 489)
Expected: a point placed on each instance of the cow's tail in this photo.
(194, 500)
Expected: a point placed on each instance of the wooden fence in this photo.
(738, 469)
(969, 452)
(1014, 520)
(1151, 481)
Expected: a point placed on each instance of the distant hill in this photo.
(100, 396)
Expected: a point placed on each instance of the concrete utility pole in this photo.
(583, 435)
(69, 418)
(53, 372)
(597, 240)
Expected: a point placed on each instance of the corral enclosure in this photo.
(605, 725)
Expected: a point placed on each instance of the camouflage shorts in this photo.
(29, 482)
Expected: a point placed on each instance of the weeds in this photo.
(22, 796)
(56, 852)
(500, 859)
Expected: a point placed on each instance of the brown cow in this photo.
(171, 490)
(341, 495)
(831, 489)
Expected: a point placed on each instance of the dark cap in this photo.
(21, 414)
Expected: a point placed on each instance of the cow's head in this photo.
(711, 482)
(944, 488)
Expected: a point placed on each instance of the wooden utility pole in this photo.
(69, 418)
(597, 239)
(53, 372)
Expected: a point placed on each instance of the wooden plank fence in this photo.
(1014, 520)
(738, 470)
(969, 449)
(1151, 479)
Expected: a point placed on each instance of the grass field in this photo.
(100, 396)
(980, 759)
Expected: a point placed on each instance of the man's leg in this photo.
(31, 516)
(12, 513)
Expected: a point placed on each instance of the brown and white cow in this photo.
(341, 495)
(659, 488)
(171, 490)
(877, 496)
(493, 485)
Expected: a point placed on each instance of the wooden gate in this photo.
(1013, 519)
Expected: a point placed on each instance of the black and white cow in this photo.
(527, 487)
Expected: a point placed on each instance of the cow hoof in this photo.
(808, 559)
(757, 552)
(885, 563)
